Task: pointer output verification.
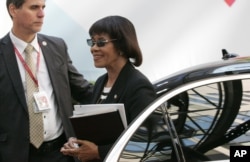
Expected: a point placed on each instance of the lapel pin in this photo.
(44, 43)
(115, 96)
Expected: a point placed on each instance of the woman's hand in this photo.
(82, 149)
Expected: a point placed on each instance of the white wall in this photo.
(173, 34)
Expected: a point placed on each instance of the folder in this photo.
(99, 123)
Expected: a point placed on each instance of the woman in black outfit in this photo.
(114, 46)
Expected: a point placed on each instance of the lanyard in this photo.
(26, 67)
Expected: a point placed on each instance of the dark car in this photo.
(198, 110)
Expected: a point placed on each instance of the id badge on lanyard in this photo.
(42, 103)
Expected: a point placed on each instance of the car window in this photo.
(202, 117)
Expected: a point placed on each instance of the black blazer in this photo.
(132, 89)
(14, 119)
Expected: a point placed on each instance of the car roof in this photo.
(237, 65)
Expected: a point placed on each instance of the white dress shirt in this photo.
(51, 118)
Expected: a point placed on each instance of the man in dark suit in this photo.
(56, 80)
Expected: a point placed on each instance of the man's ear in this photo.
(12, 10)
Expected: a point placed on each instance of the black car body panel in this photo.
(237, 65)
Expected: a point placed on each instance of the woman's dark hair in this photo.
(123, 30)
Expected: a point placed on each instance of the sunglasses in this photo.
(99, 43)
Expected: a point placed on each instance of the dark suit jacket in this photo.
(14, 119)
(132, 89)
